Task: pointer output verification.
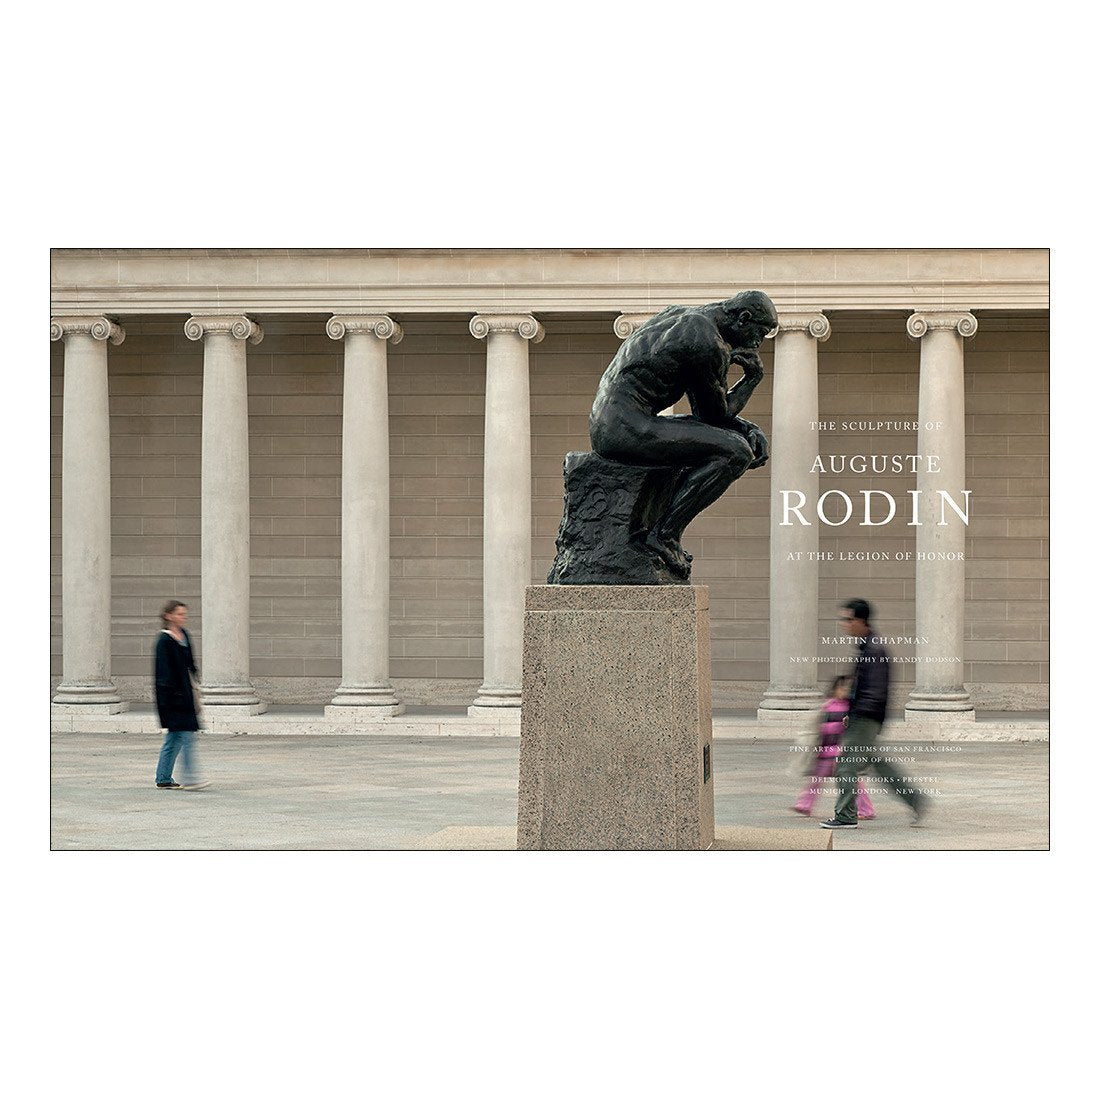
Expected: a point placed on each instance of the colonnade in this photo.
(365, 687)
(940, 579)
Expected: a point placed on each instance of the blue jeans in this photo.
(179, 743)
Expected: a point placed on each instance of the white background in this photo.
(572, 124)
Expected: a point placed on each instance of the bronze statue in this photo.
(693, 458)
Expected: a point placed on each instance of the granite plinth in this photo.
(615, 731)
(58, 710)
(956, 705)
(609, 510)
(233, 710)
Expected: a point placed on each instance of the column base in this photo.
(374, 697)
(364, 702)
(496, 703)
(231, 700)
(99, 697)
(929, 704)
(782, 703)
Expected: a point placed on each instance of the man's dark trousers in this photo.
(858, 752)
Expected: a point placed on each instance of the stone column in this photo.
(365, 689)
(507, 535)
(940, 581)
(86, 686)
(226, 559)
(626, 324)
(794, 570)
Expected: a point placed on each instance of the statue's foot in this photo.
(671, 553)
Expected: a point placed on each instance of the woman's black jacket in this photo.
(173, 664)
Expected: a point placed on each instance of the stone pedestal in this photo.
(615, 749)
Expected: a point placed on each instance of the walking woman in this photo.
(173, 665)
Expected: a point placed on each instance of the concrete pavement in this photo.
(355, 792)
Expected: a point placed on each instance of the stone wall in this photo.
(868, 371)
(1008, 465)
(437, 419)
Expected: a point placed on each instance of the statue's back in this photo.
(642, 371)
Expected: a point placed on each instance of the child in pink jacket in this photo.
(830, 731)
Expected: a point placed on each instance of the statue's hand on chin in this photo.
(749, 361)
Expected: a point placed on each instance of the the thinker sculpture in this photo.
(627, 505)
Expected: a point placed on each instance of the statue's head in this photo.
(746, 318)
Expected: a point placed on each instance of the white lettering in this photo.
(867, 521)
(945, 498)
(788, 508)
(821, 508)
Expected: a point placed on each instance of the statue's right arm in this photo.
(702, 361)
(738, 396)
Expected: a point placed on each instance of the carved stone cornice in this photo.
(523, 324)
(98, 328)
(626, 324)
(377, 324)
(541, 282)
(237, 325)
(965, 324)
(814, 323)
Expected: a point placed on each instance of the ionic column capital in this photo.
(965, 324)
(99, 328)
(376, 324)
(237, 325)
(816, 324)
(626, 324)
(523, 324)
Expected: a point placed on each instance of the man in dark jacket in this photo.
(870, 691)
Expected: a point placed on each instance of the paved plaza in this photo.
(354, 792)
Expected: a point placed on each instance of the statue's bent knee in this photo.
(740, 457)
